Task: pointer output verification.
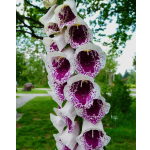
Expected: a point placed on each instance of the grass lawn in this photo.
(133, 92)
(33, 91)
(35, 130)
(17, 96)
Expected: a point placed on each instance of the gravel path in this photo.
(25, 98)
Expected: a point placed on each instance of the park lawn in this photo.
(33, 91)
(133, 92)
(35, 130)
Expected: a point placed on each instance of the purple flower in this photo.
(51, 26)
(57, 88)
(67, 141)
(67, 114)
(92, 136)
(66, 13)
(96, 112)
(54, 44)
(49, 22)
(58, 123)
(81, 90)
(89, 59)
(78, 34)
(59, 66)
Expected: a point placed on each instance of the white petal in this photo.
(48, 15)
(69, 139)
(58, 123)
(55, 98)
(59, 39)
(68, 110)
(80, 147)
(69, 51)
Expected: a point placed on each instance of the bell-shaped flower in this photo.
(92, 136)
(66, 13)
(55, 44)
(78, 34)
(67, 141)
(57, 88)
(60, 66)
(51, 27)
(81, 90)
(44, 19)
(58, 123)
(89, 59)
(55, 98)
(96, 112)
(49, 3)
(67, 114)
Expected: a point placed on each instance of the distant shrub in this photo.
(120, 98)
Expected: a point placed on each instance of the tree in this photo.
(20, 66)
(125, 11)
(126, 74)
(110, 68)
(134, 62)
(132, 77)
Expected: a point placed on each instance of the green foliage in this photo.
(132, 77)
(134, 62)
(126, 74)
(120, 99)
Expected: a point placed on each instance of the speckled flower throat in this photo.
(72, 62)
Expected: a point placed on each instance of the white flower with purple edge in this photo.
(96, 112)
(57, 88)
(81, 90)
(67, 114)
(67, 141)
(58, 123)
(66, 13)
(54, 44)
(78, 34)
(60, 67)
(89, 59)
(92, 136)
(51, 27)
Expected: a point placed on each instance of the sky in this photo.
(126, 59)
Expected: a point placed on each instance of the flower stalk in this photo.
(72, 62)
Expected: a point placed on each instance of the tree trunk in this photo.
(110, 78)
